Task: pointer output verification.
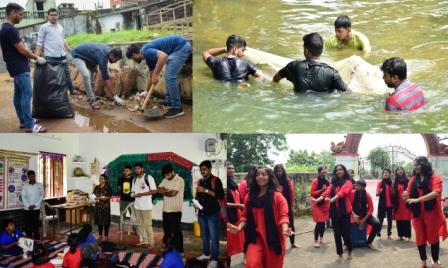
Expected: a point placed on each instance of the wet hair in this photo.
(73, 241)
(272, 184)
(51, 10)
(426, 169)
(343, 21)
(116, 53)
(314, 43)
(167, 169)
(395, 66)
(319, 168)
(132, 49)
(138, 164)
(206, 163)
(13, 7)
(7, 222)
(39, 254)
(235, 41)
(127, 167)
(345, 176)
(30, 173)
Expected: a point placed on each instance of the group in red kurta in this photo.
(384, 192)
(320, 210)
(401, 212)
(424, 196)
(286, 187)
(265, 222)
(235, 207)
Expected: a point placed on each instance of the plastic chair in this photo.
(131, 221)
(48, 214)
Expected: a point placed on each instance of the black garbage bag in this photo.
(50, 96)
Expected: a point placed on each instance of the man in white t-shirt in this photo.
(172, 188)
(143, 187)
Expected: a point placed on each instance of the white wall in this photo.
(110, 22)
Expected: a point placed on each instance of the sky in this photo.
(320, 142)
(80, 4)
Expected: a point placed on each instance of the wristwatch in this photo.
(206, 191)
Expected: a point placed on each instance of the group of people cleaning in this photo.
(170, 52)
(312, 74)
(260, 211)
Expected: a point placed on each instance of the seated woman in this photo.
(72, 258)
(40, 257)
(85, 235)
(9, 239)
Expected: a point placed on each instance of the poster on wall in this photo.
(2, 182)
(17, 169)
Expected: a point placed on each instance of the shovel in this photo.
(155, 111)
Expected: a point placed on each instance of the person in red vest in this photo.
(321, 210)
(407, 96)
(265, 222)
(424, 194)
(401, 212)
(384, 192)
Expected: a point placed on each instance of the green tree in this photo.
(246, 149)
(379, 159)
(302, 161)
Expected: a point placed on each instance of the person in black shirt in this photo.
(311, 73)
(231, 67)
(209, 192)
(124, 187)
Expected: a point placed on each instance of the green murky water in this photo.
(414, 30)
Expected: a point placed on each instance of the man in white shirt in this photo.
(51, 41)
(143, 187)
(172, 188)
(32, 196)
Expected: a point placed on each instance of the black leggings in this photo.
(381, 216)
(106, 230)
(435, 248)
(319, 230)
(404, 228)
(341, 230)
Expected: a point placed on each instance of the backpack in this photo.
(222, 202)
(146, 181)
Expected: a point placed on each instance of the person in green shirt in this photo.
(345, 37)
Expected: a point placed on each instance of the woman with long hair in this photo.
(72, 258)
(424, 194)
(339, 194)
(103, 192)
(235, 207)
(286, 187)
(320, 210)
(384, 192)
(244, 184)
(265, 222)
(401, 212)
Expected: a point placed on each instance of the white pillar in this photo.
(349, 160)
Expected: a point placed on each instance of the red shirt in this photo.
(320, 213)
(343, 191)
(388, 197)
(402, 212)
(72, 260)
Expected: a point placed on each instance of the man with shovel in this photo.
(172, 51)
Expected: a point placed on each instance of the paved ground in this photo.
(109, 119)
(389, 253)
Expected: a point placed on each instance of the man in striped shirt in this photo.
(407, 96)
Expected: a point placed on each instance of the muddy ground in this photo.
(388, 253)
(110, 118)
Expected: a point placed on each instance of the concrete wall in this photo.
(114, 22)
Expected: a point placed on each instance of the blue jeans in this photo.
(210, 230)
(67, 70)
(23, 92)
(173, 66)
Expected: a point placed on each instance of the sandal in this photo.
(94, 105)
(36, 129)
(22, 126)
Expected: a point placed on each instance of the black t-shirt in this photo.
(312, 75)
(16, 63)
(210, 203)
(231, 69)
(126, 185)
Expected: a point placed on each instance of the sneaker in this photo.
(212, 264)
(173, 112)
(203, 257)
(166, 104)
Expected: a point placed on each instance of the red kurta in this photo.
(388, 196)
(320, 213)
(235, 242)
(242, 187)
(403, 213)
(260, 255)
(429, 225)
(344, 191)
